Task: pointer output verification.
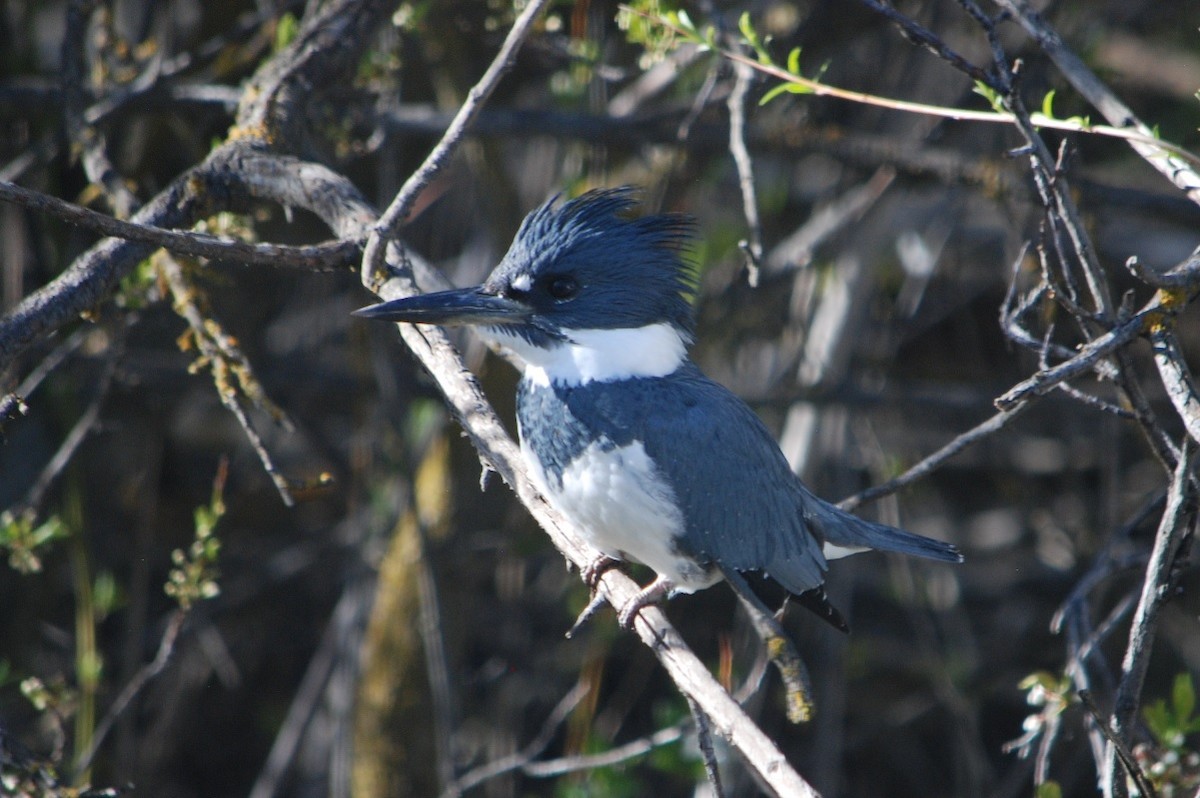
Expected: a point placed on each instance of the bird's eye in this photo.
(563, 287)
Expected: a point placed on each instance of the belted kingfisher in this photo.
(621, 432)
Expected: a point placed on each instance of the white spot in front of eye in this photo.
(522, 283)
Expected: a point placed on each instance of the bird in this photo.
(619, 429)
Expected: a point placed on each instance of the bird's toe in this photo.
(597, 568)
(648, 595)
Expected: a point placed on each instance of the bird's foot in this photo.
(592, 572)
(648, 595)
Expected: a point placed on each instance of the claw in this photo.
(595, 604)
(591, 573)
(648, 595)
(596, 568)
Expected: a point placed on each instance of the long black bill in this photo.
(449, 308)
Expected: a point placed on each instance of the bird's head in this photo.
(581, 280)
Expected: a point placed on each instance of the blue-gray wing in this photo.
(741, 504)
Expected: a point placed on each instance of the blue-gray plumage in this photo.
(649, 458)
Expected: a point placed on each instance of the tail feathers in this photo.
(851, 532)
(817, 601)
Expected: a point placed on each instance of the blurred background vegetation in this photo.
(398, 626)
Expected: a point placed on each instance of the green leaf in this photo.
(991, 95)
(286, 30)
(1159, 720)
(1048, 104)
(789, 88)
(106, 594)
(751, 36)
(793, 62)
(681, 19)
(747, 28)
(782, 88)
(1048, 789)
(1183, 698)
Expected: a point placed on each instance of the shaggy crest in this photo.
(592, 240)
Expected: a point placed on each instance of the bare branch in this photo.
(327, 256)
(15, 401)
(147, 673)
(233, 376)
(75, 438)
(1176, 376)
(614, 756)
(1121, 750)
(1088, 357)
(796, 251)
(922, 37)
(753, 246)
(934, 461)
(1183, 275)
(398, 211)
(705, 744)
(328, 44)
(1177, 520)
(1170, 165)
(524, 759)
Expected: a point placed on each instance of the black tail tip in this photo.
(817, 602)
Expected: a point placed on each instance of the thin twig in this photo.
(1176, 376)
(934, 461)
(1166, 160)
(433, 645)
(1062, 214)
(753, 246)
(614, 756)
(16, 400)
(1120, 750)
(523, 759)
(1140, 137)
(705, 744)
(221, 355)
(780, 649)
(146, 674)
(1086, 359)
(1182, 275)
(315, 257)
(1060, 206)
(1176, 521)
(78, 434)
(397, 212)
(922, 37)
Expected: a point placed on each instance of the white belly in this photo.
(623, 507)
